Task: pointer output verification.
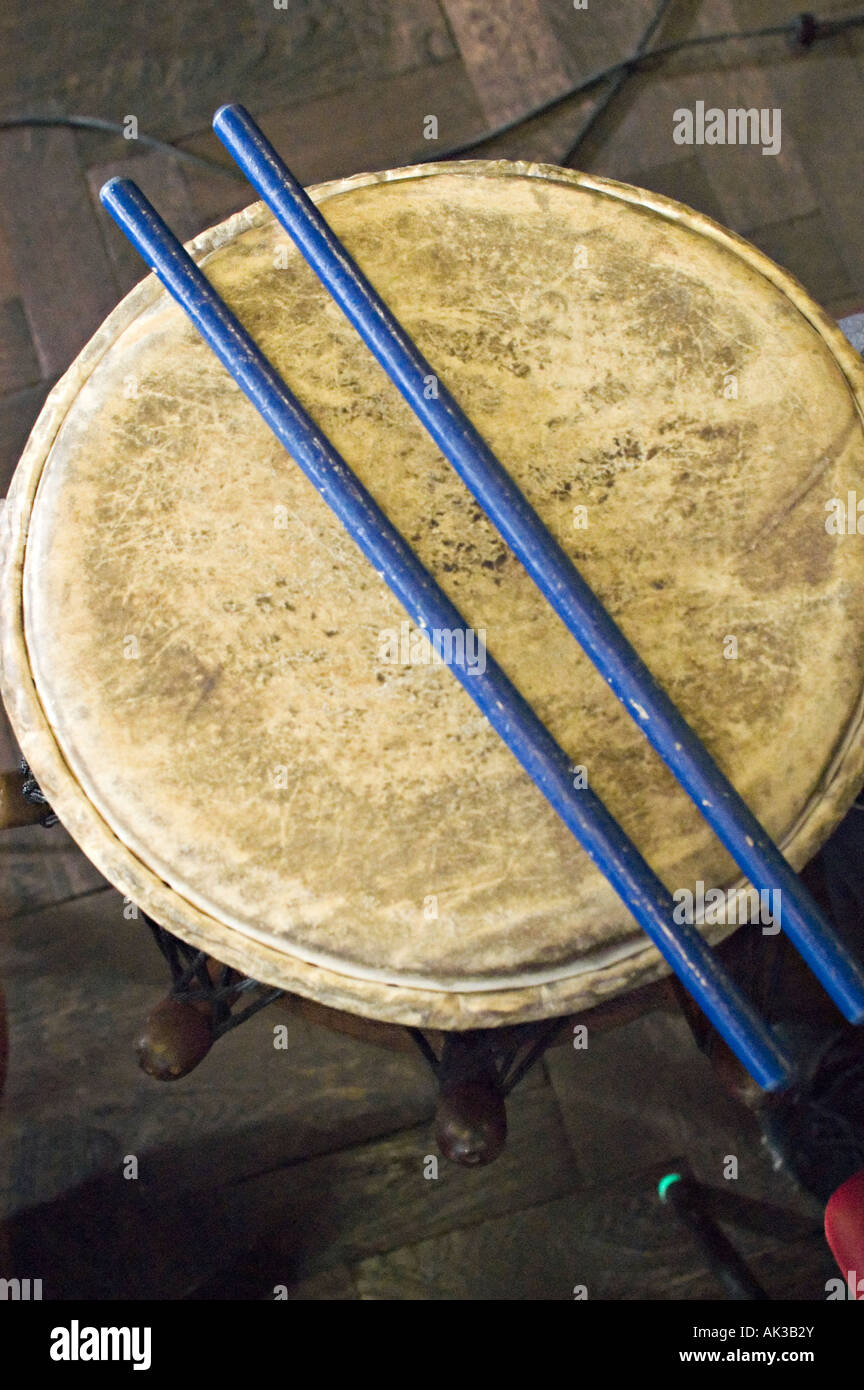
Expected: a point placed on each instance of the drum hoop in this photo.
(388, 996)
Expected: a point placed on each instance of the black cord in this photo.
(113, 128)
(801, 33)
(618, 82)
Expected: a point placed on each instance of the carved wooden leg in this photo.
(471, 1118)
(476, 1072)
(174, 1038)
(179, 1032)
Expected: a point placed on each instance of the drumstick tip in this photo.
(228, 111)
(114, 189)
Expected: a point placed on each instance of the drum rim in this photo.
(517, 998)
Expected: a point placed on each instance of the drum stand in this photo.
(476, 1070)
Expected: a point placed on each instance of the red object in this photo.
(844, 1232)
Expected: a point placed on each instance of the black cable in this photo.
(618, 82)
(425, 1047)
(801, 33)
(687, 1201)
(113, 128)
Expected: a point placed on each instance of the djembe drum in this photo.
(224, 703)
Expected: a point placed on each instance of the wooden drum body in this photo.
(226, 706)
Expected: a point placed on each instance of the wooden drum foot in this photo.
(174, 1038)
(471, 1118)
(182, 1028)
(471, 1123)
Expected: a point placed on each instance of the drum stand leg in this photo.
(475, 1072)
(182, 1028)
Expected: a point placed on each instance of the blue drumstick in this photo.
(555, 575)
(509, 714)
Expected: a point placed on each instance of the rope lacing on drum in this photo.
(500, 1055)
(192, 982)
(31, 791)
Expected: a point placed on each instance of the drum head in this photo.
(223, 701)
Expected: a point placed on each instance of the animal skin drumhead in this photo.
(230, 711)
